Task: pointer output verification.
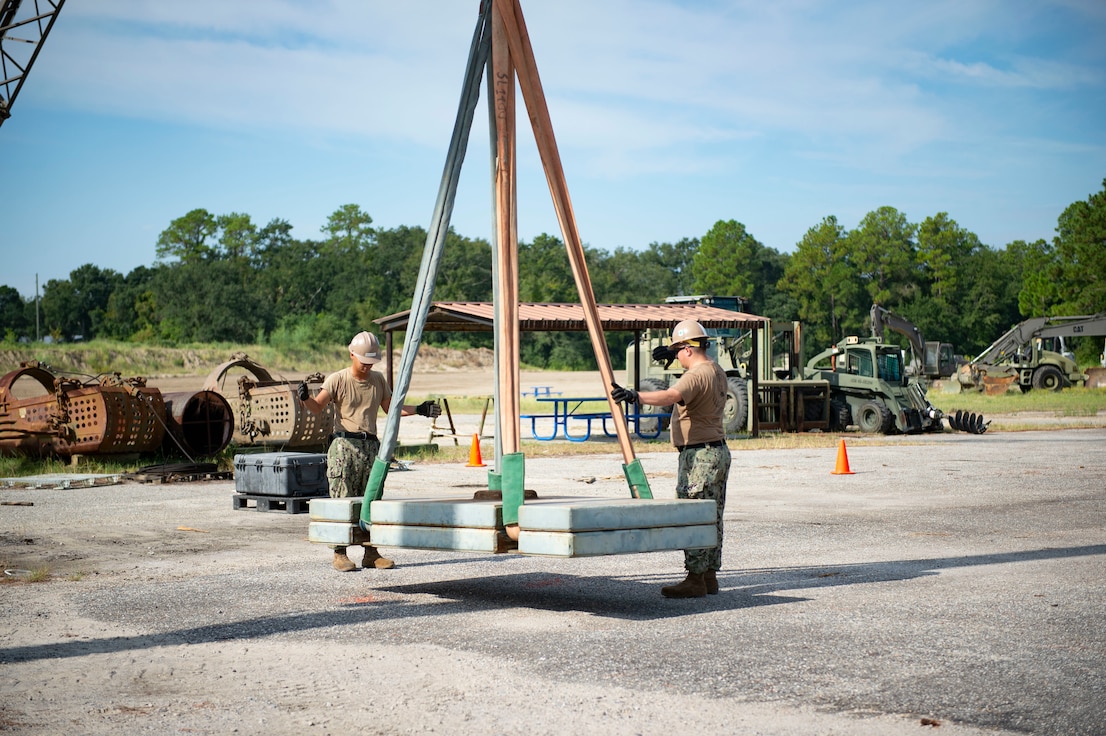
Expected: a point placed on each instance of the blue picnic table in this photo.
(567, 408)
(537, 391)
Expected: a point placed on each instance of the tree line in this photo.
(223, 279)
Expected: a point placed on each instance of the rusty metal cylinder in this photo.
(200, 423)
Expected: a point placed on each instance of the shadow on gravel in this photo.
(639, 598)
(628, 598)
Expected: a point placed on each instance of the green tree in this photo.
(465, 273)
(821, 280)
(883, 252)
(544, 272)
(13, 314)
(125, 317)
(204, 302)
(1080, 245)
(75, 306)
(731, 262)
(186, 238)
(349, 229)
(943, 246)
(1043, 283)
(989, 306)
(937, 306)
(238, 236)
(632, 277)
(726, 263)
(675, 261)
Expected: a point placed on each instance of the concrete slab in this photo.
(336, 509)
(439, 538)
(596, 514)
(333, 532)
(616, 541)
(441, 512)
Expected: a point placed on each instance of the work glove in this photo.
(664, 354)
(623, 395)
(428, 409)
(302, 392)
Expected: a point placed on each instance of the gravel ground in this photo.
(954, 580)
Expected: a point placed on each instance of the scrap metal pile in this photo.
(51, 415)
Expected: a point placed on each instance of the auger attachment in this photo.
(965, 422)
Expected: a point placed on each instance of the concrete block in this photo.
(336, 509)
(333, 532)
(429, 537)
(616, 541)
(597, 514)
(450, 512)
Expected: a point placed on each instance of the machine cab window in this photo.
(859, 363)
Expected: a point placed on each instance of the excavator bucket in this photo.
(963, 421)
(997, 385)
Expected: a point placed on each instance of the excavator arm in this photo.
(882, 318)
(24, 25)
(1020, 334)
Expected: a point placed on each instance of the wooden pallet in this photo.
(287, 504)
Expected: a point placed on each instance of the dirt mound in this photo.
(434, 359)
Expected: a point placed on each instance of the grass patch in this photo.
(1070, 402)
(39, 574)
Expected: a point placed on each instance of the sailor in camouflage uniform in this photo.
(699, 397)
(359, 393)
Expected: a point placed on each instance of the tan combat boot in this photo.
(373, 558)
(343, 563)
(693, 586)
(710, 578)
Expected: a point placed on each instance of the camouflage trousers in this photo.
(703, 473)
(348, 464)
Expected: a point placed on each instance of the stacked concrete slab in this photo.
(554, 527)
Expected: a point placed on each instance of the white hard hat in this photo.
(688, 331)
(365, 348)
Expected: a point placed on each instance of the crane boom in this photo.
(18, 52)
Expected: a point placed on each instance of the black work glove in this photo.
(428, 409)
(302, 392)
(664, 354)
(625, 395)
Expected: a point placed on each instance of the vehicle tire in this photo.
(1049, 378)
(840, 416)
(874, 417)
(649, 424)
(735, 415)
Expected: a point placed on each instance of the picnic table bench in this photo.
(569, 408)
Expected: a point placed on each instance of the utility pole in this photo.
(37, 336)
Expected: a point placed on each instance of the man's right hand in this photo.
(303, 392)
(623, 395)
(664, 354)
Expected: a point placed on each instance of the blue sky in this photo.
(670, 116)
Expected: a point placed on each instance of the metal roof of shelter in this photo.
(536, 317)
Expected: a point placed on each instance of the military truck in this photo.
(870, 388)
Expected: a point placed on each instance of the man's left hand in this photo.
(428, 409)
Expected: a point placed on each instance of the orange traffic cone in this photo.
(842, 461)
(475, 461)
